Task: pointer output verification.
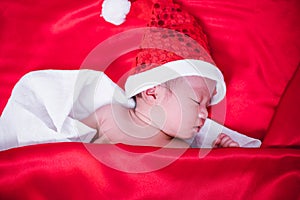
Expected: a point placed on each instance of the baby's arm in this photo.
(224, 140)
(94, 120)
(91, 121)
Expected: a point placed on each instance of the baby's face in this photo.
(185, 106)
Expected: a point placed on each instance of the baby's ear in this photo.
(150, 95)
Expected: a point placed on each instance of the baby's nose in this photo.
(203, 113)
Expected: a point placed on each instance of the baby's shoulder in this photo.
(110, 110)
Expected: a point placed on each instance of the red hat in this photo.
(173, 46)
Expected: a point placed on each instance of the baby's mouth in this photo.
(197, 128)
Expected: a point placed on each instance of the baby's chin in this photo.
(187, 134)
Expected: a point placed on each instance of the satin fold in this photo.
(254, 43)
(69, 170)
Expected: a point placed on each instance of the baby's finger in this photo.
(222, 135)
(234, 144)
(225, 141)
(229, 143)
(216, 143)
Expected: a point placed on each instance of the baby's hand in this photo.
(224, 140)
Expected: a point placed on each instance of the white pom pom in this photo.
(115, 11)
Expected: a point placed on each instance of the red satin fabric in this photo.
(284, 128)
(69, 171)
(255, 43)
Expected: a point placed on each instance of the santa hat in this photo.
(173, 46)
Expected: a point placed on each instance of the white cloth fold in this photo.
(46, 106)
(211, 130)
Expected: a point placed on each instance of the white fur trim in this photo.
(115, 11)
(189, 67)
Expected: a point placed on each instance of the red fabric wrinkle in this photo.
(254, 43)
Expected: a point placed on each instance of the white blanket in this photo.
(46, 106)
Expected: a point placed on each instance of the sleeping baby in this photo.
(172, 82)
(164, 115)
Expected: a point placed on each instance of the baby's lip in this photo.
(197, 128)
(198, 125)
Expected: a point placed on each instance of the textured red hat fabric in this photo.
(175, 35)
(173, 45)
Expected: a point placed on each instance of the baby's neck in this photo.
(139, 117)
(149, 129)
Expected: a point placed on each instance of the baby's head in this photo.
(174, 96)
(174, 76)
(178, 107)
